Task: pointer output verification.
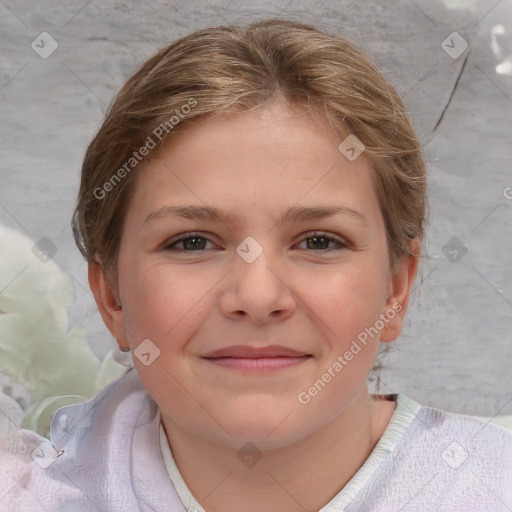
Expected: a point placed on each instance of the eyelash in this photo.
(321, 234)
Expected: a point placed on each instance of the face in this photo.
(274, 269)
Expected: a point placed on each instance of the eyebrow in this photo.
(293, 214)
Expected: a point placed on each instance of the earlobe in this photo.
(401, 283)
(108, 305)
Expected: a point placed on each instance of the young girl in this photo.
(252, 210)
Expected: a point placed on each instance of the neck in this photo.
(304, 475)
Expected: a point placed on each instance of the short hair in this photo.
(229, 70)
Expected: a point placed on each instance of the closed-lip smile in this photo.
(249, 352)
(248, 359)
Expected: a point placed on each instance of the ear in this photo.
(400, 286)
(110, 309)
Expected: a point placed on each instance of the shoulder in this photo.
(77, 462)
(475, 435)
(462, 460)
(436, 460)
(22, 454)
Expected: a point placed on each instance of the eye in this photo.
(320, 242)
(191, 242)
(195, 242)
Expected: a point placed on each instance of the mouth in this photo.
(251, 359)
(257, 364)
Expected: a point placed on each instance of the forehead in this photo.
(260, 159)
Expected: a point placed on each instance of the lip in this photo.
(258, 364)
(248, 352)
(246, 358)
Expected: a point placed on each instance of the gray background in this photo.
(455, 352)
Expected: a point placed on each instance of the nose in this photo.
(259, 290)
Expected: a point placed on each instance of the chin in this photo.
(265, 430)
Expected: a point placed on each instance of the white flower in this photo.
(42, 365)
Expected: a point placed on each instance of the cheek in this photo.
(162, 300)
(348, 306)
(348, 299)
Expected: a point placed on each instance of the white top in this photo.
(426, 460)
(403, 415)
(108, 454)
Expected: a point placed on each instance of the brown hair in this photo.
(229, 70)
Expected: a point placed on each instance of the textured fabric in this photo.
(111, 462)
(106, 454)
(444, 462)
